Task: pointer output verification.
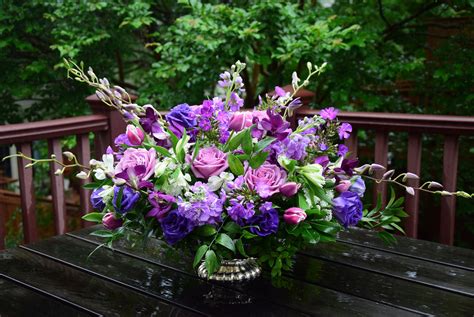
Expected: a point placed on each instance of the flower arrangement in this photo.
(230, 183)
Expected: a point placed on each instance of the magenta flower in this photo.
(265, 180)
(209, 162)
(289, 189)
(135, 135)
(110, 222)
(161, 204)
(294, 215)
(344, 130)
(329, 113)
(136, 163)
(240, 120)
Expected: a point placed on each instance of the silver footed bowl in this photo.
(236, 270)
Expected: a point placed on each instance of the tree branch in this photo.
(379, 2)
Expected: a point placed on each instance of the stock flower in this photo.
(235, 102)
(289, 189)
(209, 162)
(347, 208)
(161, 204)
(136, 163)
(329, 113)
(240, 211)
(175, 227)
(265, 180)
(180, 118)
(358, 187)
(344, 130)
(110, 222)
(266, 222)
(240, 120)
(96, 199)
(135, 135)
(295, 146)
(128, 200)
(200, 205)
(294, 215)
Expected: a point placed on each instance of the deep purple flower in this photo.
(347, 166)
(175, 227)
(329, 113)
(239, 211)
(96, 200)
(128, 201)
(322, 160)
(274, 125)
(266, 222)
(180, 118)
(358, 187)
(201, 206)
(161, 204)
(110, 222)
(151, 126)
(342, 150)
(347, 208)
(344, 130)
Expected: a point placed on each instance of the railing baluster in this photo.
(3, 219)
(27, 190)
(57, 188)
(381, 157)
(100, 143)
(352, 143)
(413, 166)
(84, 156)
(448, 203)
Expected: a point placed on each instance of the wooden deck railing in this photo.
(451, 127)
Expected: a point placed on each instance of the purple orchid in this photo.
(161, 204)
(273, 125)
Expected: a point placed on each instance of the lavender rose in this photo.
(139, 163)
(266, 222)
(209, 162)
(180, 118)
(347, 208)
(128, 201)
(265, 180)
(110, 222)
(96, 199)
(175, 227)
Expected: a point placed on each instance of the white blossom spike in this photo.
(410, 191)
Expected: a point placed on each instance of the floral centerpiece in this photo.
(230, 183)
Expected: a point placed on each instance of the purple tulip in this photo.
(289, 189)
(294, 215)
(135, 135)
(110, 222)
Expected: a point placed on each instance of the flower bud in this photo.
(343, 186)
(409, 176)
(240, 120)
(82, 175)
(289, 189)
(410, 191)
(435, 185)
(294, 215)
(69, 155)
(135, 135)
(110, 222)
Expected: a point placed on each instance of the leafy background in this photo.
(383, 55)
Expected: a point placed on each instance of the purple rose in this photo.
(128, 201)
(110, 222)
(96, 200)
(161, 204)
(266, 222)
(265, 180)
(175, 227)
(180, 118)
(209, 162)
(347, 208)
(136, 163)
(358, 187)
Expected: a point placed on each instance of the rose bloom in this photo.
(265, 180)
(139, 162)
(347, 208)
(209, 162)
(243, 119)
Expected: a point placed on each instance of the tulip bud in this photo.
(135, 135)
(110, 222)
(240, 121)
(289, 189)
(343, 186)
(294, 215)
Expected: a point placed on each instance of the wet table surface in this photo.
(358, 276)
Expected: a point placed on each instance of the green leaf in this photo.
(247, 142)
(234, 141)
(232, 227)
(235, 164)
(173, 138)
(226, 241)
(102, 233)
(212, 264)
(197, 146)
(205, 231)
(326, 227)
(387, 238)
(199, 254)
(119, 198)
(240, 247)
(262, 144)
(93, 217)
(257, 160)
(162, 150)
(310, 236)
(248, 235)
(91, 186)
(302, 203)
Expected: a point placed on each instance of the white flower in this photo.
(161, 167)
(104, 167)
(216, 182)
(294, 79)
(177, 184)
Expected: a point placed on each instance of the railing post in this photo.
(352, 143)
(84, 155)
(412, 202)
(381, 157)
(116, 122)
(57, 188)
(448, 203)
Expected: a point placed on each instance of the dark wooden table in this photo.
(359, 276)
